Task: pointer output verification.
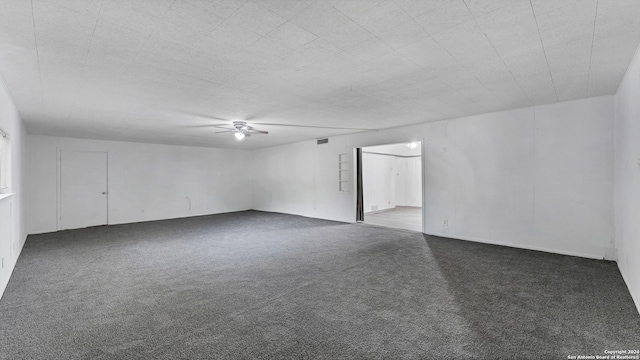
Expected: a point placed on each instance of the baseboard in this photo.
(379, 210)
(520, 246)
(137, 221)
(635, 299)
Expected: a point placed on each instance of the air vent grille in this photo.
(323, 141)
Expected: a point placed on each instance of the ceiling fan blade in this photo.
(315, 127)
(220, 126)
(226, 131)
(200, 126)
(254, 131)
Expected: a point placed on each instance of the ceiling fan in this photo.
(240, 130)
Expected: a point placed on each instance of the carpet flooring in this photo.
(257, 285)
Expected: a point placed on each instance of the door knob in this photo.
(104, 193)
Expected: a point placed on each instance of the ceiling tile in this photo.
(617, 33)
(404, 35)
(561, 20)
(320, 18)
(419, 7)
(444, 17)
(163, 49)
(382, 18)
(466, 43)
(427, 54)
(494, 75)
(153, 8)
(569, 65)
(410, 79)
(166, 31)
(369, 50)
(483, 7)
(512, 29)
(310, 53)
(531, 72)
(60, 76)
(353, 8)
(285, 8)
(133, 18)
(121, 41)
(221, 8)
(106, 61)
(79, 6)
(331, 65)
(256, 18)
(15, 8)
(462, 105)
(185, 15)
(348, 35)
(77, 27)
(566, 31)
(226, 39)
(53, 49)
(468, 85)
(291, 36)
(16, 27)
(394, 64)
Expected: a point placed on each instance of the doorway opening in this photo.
(389, 180)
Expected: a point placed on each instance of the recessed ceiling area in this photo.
(162, 70)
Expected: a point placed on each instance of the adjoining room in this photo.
(392, 185)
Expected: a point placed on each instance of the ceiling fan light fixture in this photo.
(239, 135)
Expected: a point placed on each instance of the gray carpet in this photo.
(272, 286)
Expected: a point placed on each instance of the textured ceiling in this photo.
(153, 70)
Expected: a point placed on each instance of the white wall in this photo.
(12, 220)
(391, 177)
(145, 181)
(302, 178)
(627, 178)
(408, 181)
(538, 177)
(378, 181)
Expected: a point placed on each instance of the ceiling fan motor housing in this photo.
(241, 126)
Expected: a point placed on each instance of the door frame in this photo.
(422, 174)
(59, 182)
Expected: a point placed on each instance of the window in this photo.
(4, 159)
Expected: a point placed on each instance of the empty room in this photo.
(192, 179)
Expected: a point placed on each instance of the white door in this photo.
(83, 189)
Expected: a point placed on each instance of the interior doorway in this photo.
(390, 185)
(83, 189)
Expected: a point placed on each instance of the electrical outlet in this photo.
(445, 222)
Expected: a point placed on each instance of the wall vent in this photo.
(323, 141)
